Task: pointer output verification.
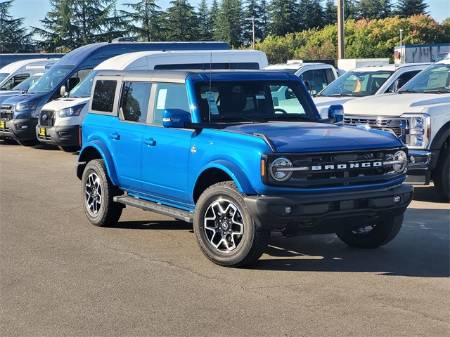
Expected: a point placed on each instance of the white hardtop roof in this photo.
(445, 61)
(388, 67)
(148, 59)
(294, 65)
(12, 67)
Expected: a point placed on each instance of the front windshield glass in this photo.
(51, 79)
(28, 83)
(253, 101)
(434, 79)
(83, 89)
(357, 84)
(3, 76)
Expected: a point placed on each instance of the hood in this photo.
(292, 137)
(66, 102)
(23, 98)
(394, 104)
(9, 92)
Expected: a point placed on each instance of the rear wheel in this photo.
(97, 195)
(224, 228)
(441, 176)
(374, 235)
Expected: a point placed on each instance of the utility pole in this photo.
(253, 32)
(340, 23)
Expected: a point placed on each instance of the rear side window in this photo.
(134, 101)
(169, 96)
(103, 99)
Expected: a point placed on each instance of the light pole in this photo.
(340, 24)
(253, 32)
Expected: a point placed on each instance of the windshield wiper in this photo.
(437, 91)
(407, 91)
(239, 119)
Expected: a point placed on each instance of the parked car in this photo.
(16, 72)
(60, 120)
(316, 76)
(20, 113)
(214, 148)
(366, 81)
(22, 87)
(420, 115)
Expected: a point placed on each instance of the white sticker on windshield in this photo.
(211, 98)
(260, 97)
(161, 101)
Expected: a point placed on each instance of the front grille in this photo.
(47, 118)
(336, 169)
(381, 123)
(6, 112)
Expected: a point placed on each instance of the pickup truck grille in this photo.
(6, 112)
(337, 169)
(381, 123)
(47, 118)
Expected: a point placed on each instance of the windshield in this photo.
(358, 84)
(434, 79)
(83, 89)
(3, 76)
(29, 82)
(253, 101)
(51, 79)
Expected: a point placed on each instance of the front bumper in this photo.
(19, 129)
(421, 163)
(328, 213)
(59, 135)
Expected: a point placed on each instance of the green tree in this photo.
(116, 26)
(264, 18)
(181, 22)
(407, 8)
(284, 17)
(351, 9)
(213, 16)
(311, 14)
(375, 9)
(144, 21)
(253, 12)
(91, 19)
(330, 13)
(13, 35)
(228, 25)
(204, 21)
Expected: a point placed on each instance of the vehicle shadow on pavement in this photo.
(421, 249)
(149, 225)
(427, 193)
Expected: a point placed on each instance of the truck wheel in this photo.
(441, 176)
(224, 228)
(97, 195)
(373, 236)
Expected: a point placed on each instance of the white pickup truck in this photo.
(366, 81)
(420, 114)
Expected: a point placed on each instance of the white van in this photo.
(16, 72)
(60, 120)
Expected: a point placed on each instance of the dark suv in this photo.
(222, 150)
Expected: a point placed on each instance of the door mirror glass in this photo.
(336, 114)
(176, 118)
(62, 91)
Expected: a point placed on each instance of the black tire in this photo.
(441, 176)
(108, 212)
(251, 244)
(69, 148)
(380, 234)
(8, 141)
(30, 142)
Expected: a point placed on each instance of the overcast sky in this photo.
(35, 10)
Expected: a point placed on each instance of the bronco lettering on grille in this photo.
(345, 166)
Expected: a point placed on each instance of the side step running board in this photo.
(154, 207)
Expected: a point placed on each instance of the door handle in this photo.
(115, 136)
(149, 141)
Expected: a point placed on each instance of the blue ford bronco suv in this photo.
(226, 151)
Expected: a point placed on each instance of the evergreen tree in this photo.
(407, 8)
(351, 9)
(228, 26)
(311, 14)
(204, 20)
(375, 9)
(13, 35)
(181, 22)
(264, 18)
(330, 13)
(253, 12)
(144, 21)
(284, 17)
(213, 16)
(116, 26)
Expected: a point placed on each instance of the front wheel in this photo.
(441, 176)
(97, 195)
(373, 235)
(224, 228)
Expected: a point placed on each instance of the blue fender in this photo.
(234, 171)
(106, 156)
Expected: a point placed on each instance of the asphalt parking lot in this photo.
(61, 276)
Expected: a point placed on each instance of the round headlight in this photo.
(276, 169)
(401, 161)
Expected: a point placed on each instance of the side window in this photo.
(169, 96)
(315, 80)
(103, 99)
(15, 80)
(134, 101)
(401, 80)
(330, 75)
